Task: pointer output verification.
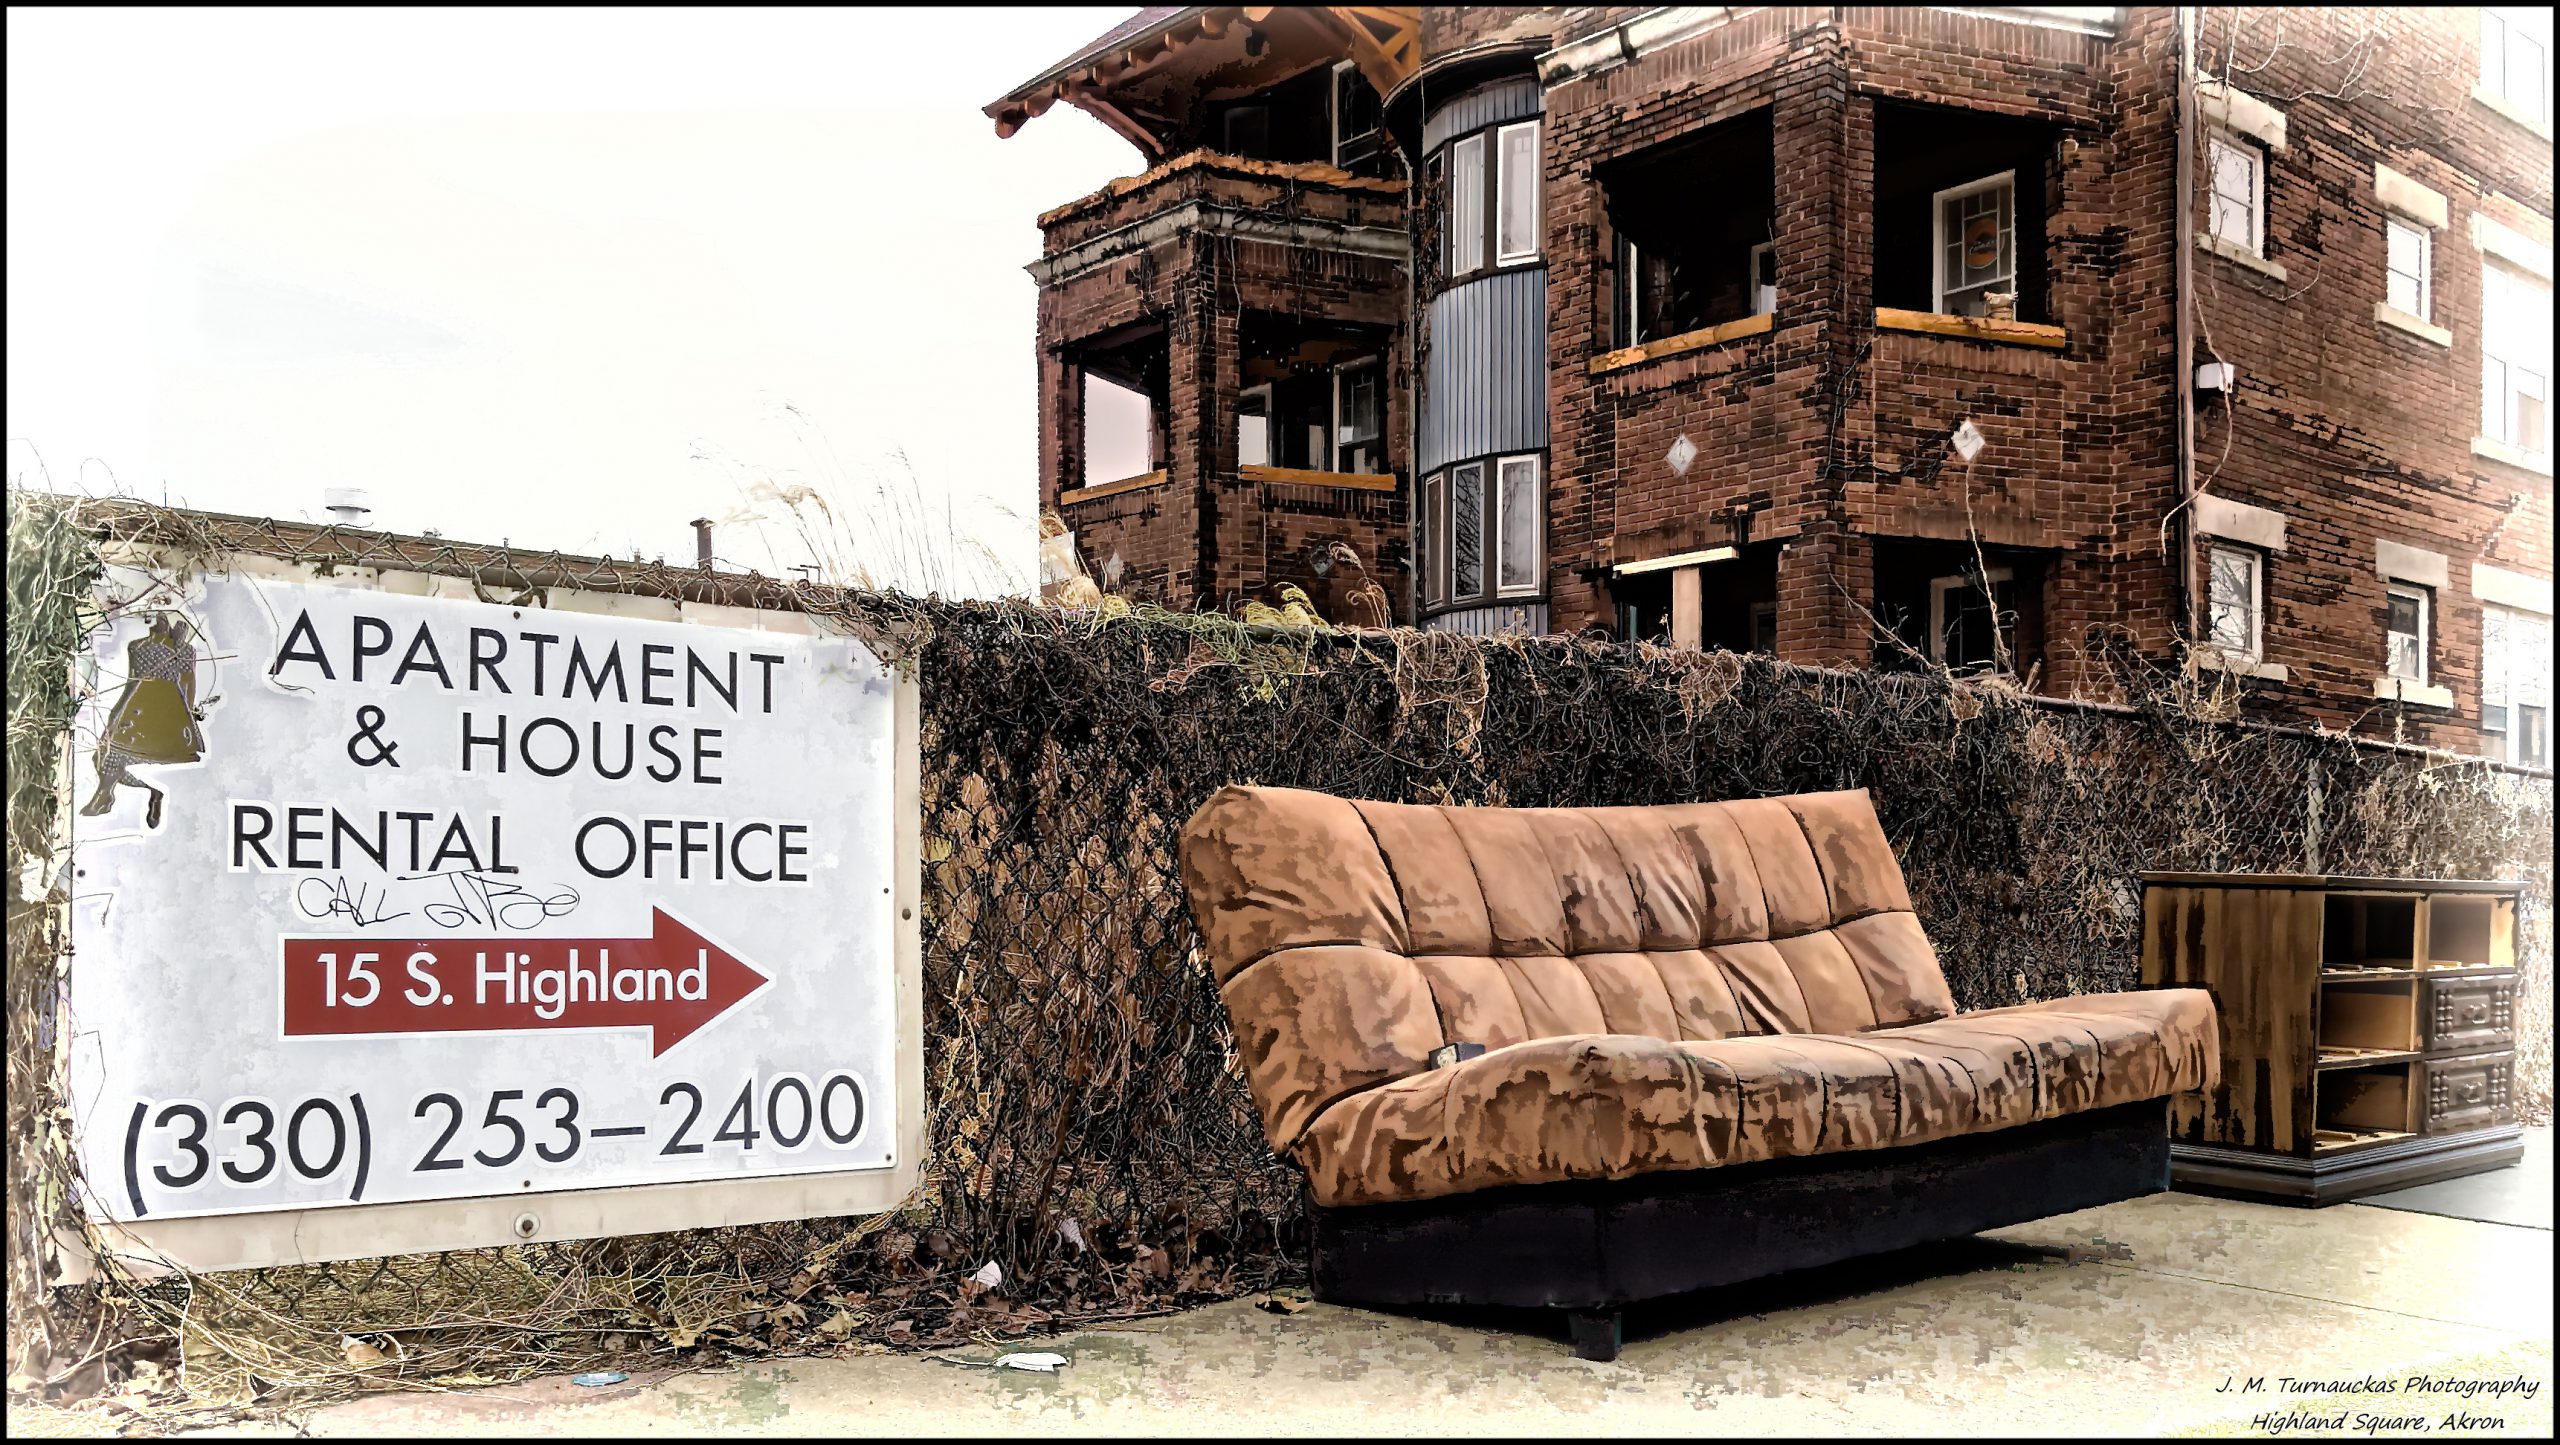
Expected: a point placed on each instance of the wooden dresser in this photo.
(2368, 1029)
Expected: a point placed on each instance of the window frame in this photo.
(2393, 221)
(1458, 151)
(2257, 560)
(2424, 596)
(1939, 587)
(1503, 531)
(1376, 136)
(1439, 533)
(1751, 266)
(2499, 21)
(2499, 415)
(1485, 235)
(1938, 235)
(2511, 737)
(1334, 443)
(1501, 191)
(2241, 146)
(1270, 433)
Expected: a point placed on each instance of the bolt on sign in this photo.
(406, 920)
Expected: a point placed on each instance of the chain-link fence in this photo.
(1090, 1132)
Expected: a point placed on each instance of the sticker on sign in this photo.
(388, 899)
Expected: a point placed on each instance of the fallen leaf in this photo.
(838, 1325)
(1280, 1304)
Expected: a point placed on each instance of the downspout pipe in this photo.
(2182, 283)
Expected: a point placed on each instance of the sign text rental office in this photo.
(396, 899)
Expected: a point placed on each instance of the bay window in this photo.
(1484, 531)
(1491, 211)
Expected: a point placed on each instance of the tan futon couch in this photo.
(1689, 990)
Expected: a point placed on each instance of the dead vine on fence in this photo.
(1091, 1134)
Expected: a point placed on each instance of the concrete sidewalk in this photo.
(2121, 1320)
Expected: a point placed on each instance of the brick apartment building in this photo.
(1851, 334)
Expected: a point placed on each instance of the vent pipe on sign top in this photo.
(702, 543)
(347, 506)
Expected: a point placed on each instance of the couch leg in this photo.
(1595, 1334)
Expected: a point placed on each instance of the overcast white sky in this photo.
(568, 278)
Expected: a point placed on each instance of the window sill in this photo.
(1699, 340)
(2240, 255)
(2539, 125)
(2514, 456)
(1298, 477)
(1972, 328)
(2213, 659)
(1099, 490)
(2413, 694)
(2393, 316)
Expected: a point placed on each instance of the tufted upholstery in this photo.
(1660, 987)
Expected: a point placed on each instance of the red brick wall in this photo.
(2353, 429)
(1831, 433)
(1204, 538)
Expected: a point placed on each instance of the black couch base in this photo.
(1592, 1248)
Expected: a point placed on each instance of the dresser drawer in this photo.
(2472, 1092)
(2469, 1014)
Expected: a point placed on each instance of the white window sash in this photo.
(1465, 218)
(1939, 588)
(2417, 644)
(1516, 187)
(1940, 281)
(1766, 305)
(2420, 279)
(1520, 537)
(2250, 606)
(2251, 164)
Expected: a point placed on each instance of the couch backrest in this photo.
(1350, 939)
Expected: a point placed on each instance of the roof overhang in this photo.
(1142, 78)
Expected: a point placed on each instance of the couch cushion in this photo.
(1693, 921)
(1606, 1106)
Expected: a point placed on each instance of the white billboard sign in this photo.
(475, 922)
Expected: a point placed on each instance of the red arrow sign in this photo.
(672, 983)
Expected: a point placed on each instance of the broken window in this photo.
(1960, 204)
(1359, 419)
(1292, 121)
(1356, 120)
(1970, 618)
(1253, 428)
(1312, 395)
(1977, 244)
(1119, 431)
(1694, 221)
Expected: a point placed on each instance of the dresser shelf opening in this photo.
(2369, 1017)
(2369, 928)
(2366, 1101)
(2470, 932)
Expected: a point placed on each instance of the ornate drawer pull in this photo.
(2471, 1091)
(2478, 1013)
